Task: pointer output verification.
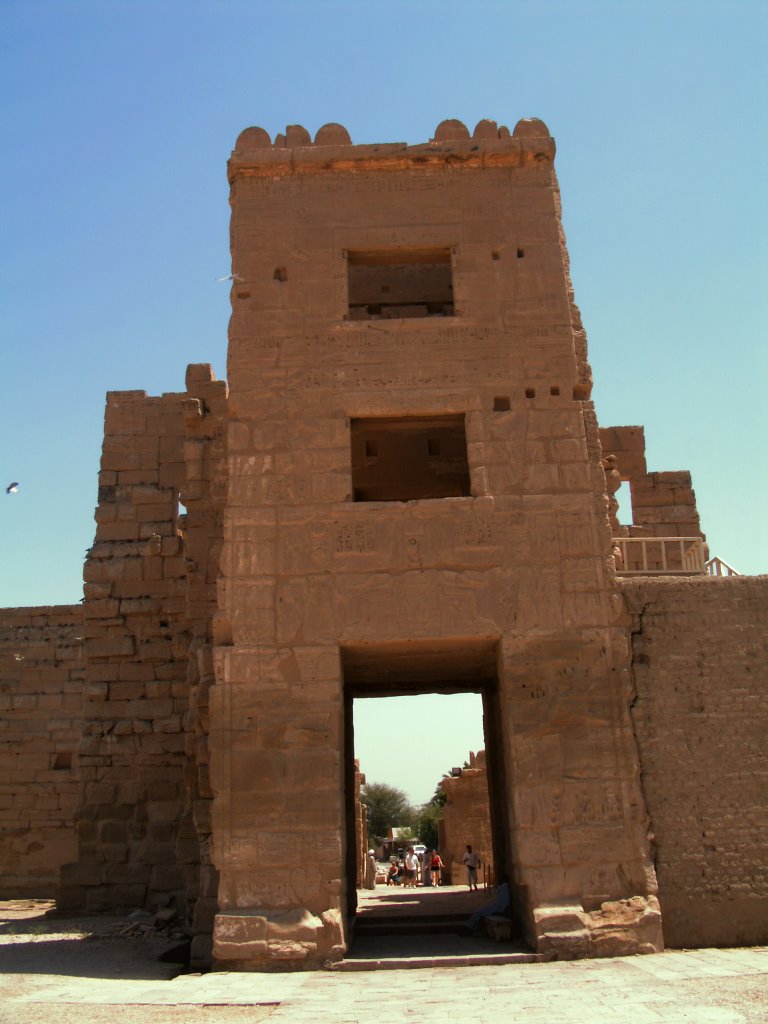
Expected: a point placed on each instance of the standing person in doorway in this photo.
(369, 876)
(472, 862)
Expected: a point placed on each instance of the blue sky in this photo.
(119, 115)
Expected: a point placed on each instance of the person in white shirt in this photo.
(411, 868)
(472, 862)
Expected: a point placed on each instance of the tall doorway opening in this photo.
(373, 672)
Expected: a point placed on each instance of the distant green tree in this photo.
(387, 807)
(428, 816)
(439, 797)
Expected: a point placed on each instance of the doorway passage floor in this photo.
(400, 928)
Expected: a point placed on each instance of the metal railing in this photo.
(717, 567)
(659, 556)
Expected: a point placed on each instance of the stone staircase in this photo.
(422, 936)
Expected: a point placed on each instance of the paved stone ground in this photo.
(49, 972)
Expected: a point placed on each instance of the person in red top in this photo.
(436, 867)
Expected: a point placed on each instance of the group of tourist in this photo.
(416, 869)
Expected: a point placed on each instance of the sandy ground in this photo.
(39, 951)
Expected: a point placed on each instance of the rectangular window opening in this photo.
(390, 284)
(502, 403)
(417, 458)
(624, 499)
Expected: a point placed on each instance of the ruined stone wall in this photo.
(466, 819)
(41, 679)
(132, 754)
(663, 503)
(700, 651)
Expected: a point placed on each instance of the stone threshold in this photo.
(420, 962)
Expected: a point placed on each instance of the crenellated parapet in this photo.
(294, 151)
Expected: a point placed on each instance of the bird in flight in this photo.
(230, 277)
(12, 488)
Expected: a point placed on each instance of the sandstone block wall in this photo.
(466, 819)
(700, 657)
(133, 750)
(41, 680)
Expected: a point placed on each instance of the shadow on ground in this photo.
(35, 941)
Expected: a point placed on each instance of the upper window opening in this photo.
(389, 284)
(424, 457)
(623, 498)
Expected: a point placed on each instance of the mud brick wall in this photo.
(466, 819)
(132, 755)
(41, 679)
(700, 651)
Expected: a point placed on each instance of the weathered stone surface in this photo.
(617, 928)
(273, 939)
(466, 819)
(700, 650)
(41, 698)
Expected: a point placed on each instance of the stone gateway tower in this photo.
(401, 489)
(415, 502)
